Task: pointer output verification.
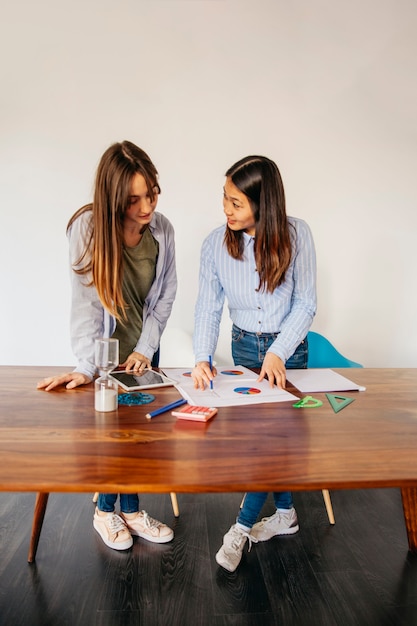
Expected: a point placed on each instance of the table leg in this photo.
(328, 503)
(409, 497)
(174, 503)
(38, 515)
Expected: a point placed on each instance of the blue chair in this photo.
(322, 353)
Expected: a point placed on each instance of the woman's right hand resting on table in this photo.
(134, 363)
(71, 379)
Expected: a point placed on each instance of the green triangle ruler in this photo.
(338, 402)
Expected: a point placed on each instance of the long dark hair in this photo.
(103, 251)
(260, 180)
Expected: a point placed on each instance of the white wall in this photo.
(325, 88)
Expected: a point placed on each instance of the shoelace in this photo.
(149, 521)
(238, 533)
(115, 523)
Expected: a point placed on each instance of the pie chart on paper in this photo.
(247, 391)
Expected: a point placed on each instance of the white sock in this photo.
(242, 527)
(284, 511)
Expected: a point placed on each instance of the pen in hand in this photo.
(211, 370)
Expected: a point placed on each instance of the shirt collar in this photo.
(248, 239)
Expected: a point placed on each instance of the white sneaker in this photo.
(230, 554)
(145, 526)
(278, 524)
(112, 530)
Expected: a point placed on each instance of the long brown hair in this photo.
(260, 180)
(103, 247)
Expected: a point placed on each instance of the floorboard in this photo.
(356, 573)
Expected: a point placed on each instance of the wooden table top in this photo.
(55, 441)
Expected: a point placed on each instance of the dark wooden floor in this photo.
(358, 572)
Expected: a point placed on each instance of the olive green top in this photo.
(138, 276)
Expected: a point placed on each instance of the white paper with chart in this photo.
(233, 386)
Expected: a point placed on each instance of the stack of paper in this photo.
(236, 385)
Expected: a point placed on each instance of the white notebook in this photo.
(317, 380)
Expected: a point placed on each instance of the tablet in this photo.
(146, 380)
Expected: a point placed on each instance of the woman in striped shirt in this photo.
(263, 262)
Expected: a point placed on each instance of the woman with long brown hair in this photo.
(123, 286)
(263, 262)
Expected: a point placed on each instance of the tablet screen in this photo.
(146, 380)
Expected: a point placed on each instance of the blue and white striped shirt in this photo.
(289, 310)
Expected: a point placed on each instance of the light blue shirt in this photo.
(89, 319)
(289, 310)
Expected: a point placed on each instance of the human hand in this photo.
(136, 362)
(202, 375)
(73, 379)
(274, 369)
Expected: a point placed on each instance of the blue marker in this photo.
(211, 370)
(166, 408)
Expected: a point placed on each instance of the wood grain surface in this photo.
(55, 441)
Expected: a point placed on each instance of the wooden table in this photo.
(56, 442)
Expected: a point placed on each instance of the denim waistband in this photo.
(250, 334)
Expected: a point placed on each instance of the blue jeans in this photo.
(129, 502)
(249, 349)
